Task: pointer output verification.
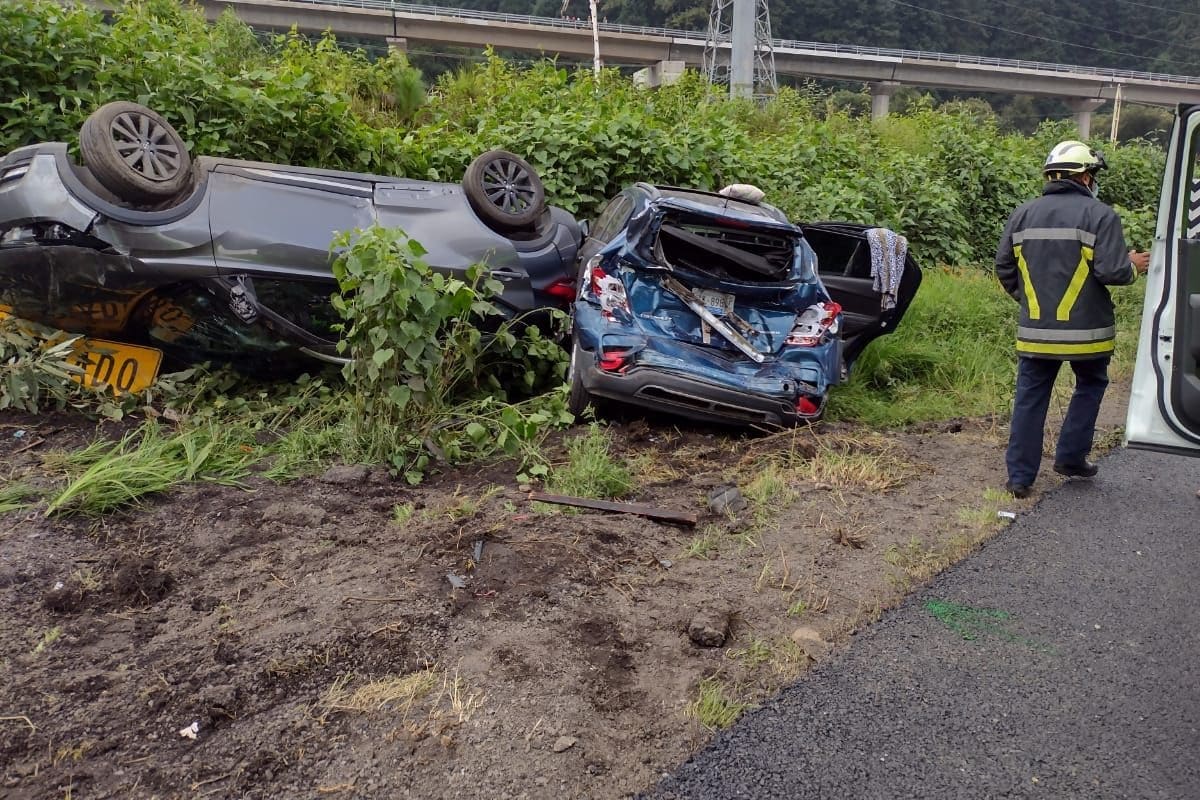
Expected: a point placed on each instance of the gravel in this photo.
(1086, 685)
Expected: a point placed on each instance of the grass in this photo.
(918, 561)
(755, 654)
(450, 700)
(105, 476)
(397, 693)
(953, 354)
(460, 507)
(591, 469)
(15, 496)
(402, 513)
(797, 608)
(983, 518)
(714, 706)
(770, 490)
(862, 463)
(704, 544)
(48, 638)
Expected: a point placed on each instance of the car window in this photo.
(612, 218)
(303, 303)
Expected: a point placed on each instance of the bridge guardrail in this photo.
(779, 44)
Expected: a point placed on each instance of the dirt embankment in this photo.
(309, 640)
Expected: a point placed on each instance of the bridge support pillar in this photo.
(664, 73)
(397, 44)
(881, 98)
(1083, 108)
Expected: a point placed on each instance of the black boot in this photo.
(1018, 490)
(1086, 469)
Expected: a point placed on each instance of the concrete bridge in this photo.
(1085, 89)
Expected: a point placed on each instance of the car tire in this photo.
(135, 153)
(579, 399)
(505, 191)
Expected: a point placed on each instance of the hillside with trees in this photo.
(1123, 34)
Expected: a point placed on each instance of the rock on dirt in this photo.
(64, 597)
(564, 743)
(296, 514)
(347, 475)
(811, 642)
(709, 627)
(726, 500)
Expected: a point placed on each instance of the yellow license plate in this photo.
(122, 367)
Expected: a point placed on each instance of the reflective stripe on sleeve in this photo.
(1082, 270)
(1035, 310)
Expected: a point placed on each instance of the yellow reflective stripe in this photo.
(1064, 348)
(1035, 310)
(1086, 255)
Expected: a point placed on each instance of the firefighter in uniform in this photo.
(1056, 257)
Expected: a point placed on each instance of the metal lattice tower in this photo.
(738, 48)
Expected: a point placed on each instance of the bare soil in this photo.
(298, 641)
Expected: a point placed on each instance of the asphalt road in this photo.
(1082, 679)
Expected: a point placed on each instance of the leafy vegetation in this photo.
(425, 380)
(945, 177)
(36, 370)
(426, 385)
(1055, 30)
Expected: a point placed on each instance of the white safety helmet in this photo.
(1073, 158)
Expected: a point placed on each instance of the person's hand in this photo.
(1140, 261)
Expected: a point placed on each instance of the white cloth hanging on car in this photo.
(888, 253)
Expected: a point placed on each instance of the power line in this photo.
(1087, 25)
(1160, 8)
(1035, 36)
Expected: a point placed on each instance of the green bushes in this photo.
(425, 383)
(945, 177)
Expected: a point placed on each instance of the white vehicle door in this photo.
(1164, 407)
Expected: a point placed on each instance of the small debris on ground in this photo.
(726, 500)
(847, 539)
(811, 642)
(564, 743)
(456, 581)
(709, 627)
(346, 475)
(190, 731)
(1006, 514)
(664, 514)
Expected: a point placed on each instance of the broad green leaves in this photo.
(426, 381)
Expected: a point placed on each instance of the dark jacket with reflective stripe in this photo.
(1058, 255)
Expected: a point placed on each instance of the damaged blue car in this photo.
(719, 309)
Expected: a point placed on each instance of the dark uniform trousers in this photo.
(1035, 384)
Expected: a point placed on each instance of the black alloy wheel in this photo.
(505, 191)
(135, 153)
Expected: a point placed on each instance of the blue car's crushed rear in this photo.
(708, 308)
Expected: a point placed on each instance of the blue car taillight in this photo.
(608, 290)
(815, 325)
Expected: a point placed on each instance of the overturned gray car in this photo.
(155, 253)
